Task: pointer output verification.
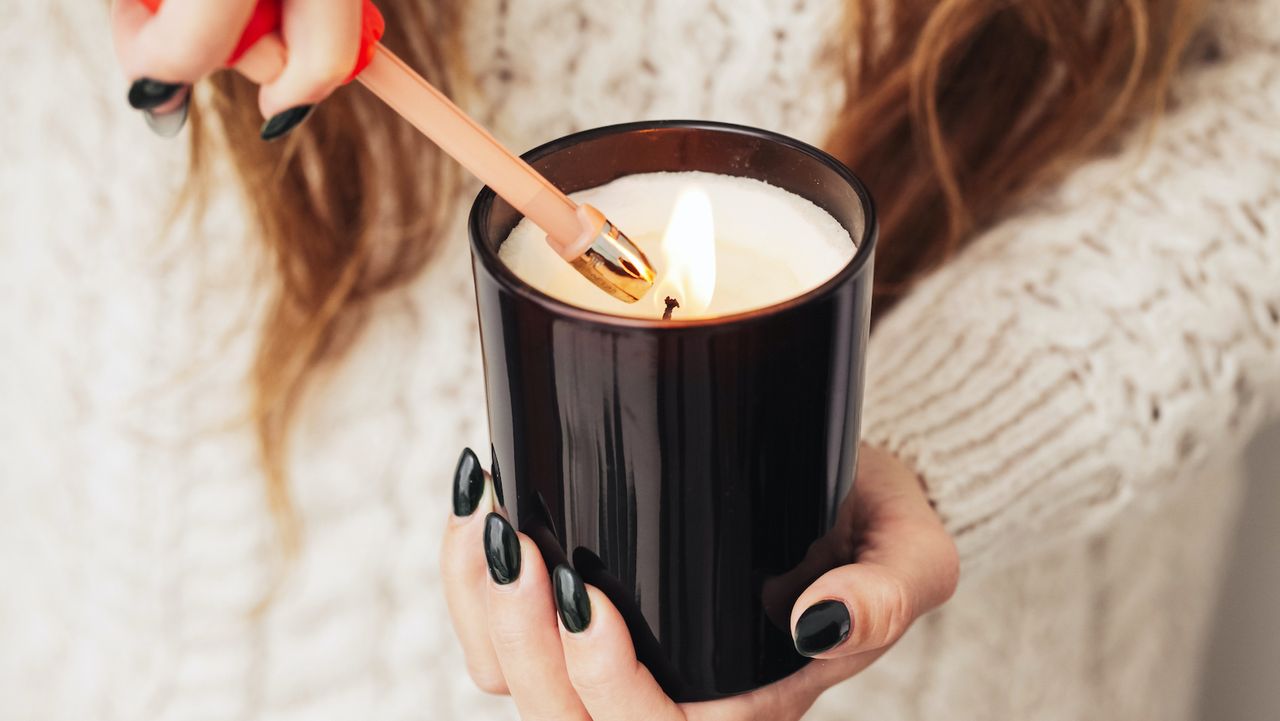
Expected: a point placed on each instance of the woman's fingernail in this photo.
(168, 123)
(283, 122)
(572, 601)
(146, 93)
(496, 473)
(822, 627)
(468, 484)
(501, 549)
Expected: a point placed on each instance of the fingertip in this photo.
(283, 123)
(469, 484)
(148, 94)
(503, 551)
(596, 638)
(851, 609)
(484, 506)
(513, 558)
(167, 119)
(281, 95)
(822, 627)
(573, 603)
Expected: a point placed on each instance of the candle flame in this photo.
(688, 253)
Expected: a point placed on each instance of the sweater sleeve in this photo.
(1086, 354)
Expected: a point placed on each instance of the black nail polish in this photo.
(571, 599)
(501, 549)
(167, 124)
(146, 93)
(496, 474)
(468, 484)
(822, 627)
(283, 122)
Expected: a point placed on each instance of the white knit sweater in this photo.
(1074, 388)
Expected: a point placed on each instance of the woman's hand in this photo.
(504, 606)
(184, 40)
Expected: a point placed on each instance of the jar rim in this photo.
(487, 256)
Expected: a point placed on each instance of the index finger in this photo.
(182, 41)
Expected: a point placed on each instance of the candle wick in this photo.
(672, 304)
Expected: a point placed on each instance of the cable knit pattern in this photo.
(1134, 313)
(1073, 388)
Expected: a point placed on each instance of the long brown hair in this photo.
(955, 109)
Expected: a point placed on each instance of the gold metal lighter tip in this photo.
(616, 265)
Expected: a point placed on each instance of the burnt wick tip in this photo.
(672, 304)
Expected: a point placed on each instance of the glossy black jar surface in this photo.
(684, 468)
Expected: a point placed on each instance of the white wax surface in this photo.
(771, 244)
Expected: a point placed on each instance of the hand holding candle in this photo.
(587, 667)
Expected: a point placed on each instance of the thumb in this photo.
(852, 609)
(907, 567)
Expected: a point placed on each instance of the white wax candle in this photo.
(770, 245)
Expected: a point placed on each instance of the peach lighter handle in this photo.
(436, 116)
(431, 112)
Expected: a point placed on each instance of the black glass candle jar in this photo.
(684, 468)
